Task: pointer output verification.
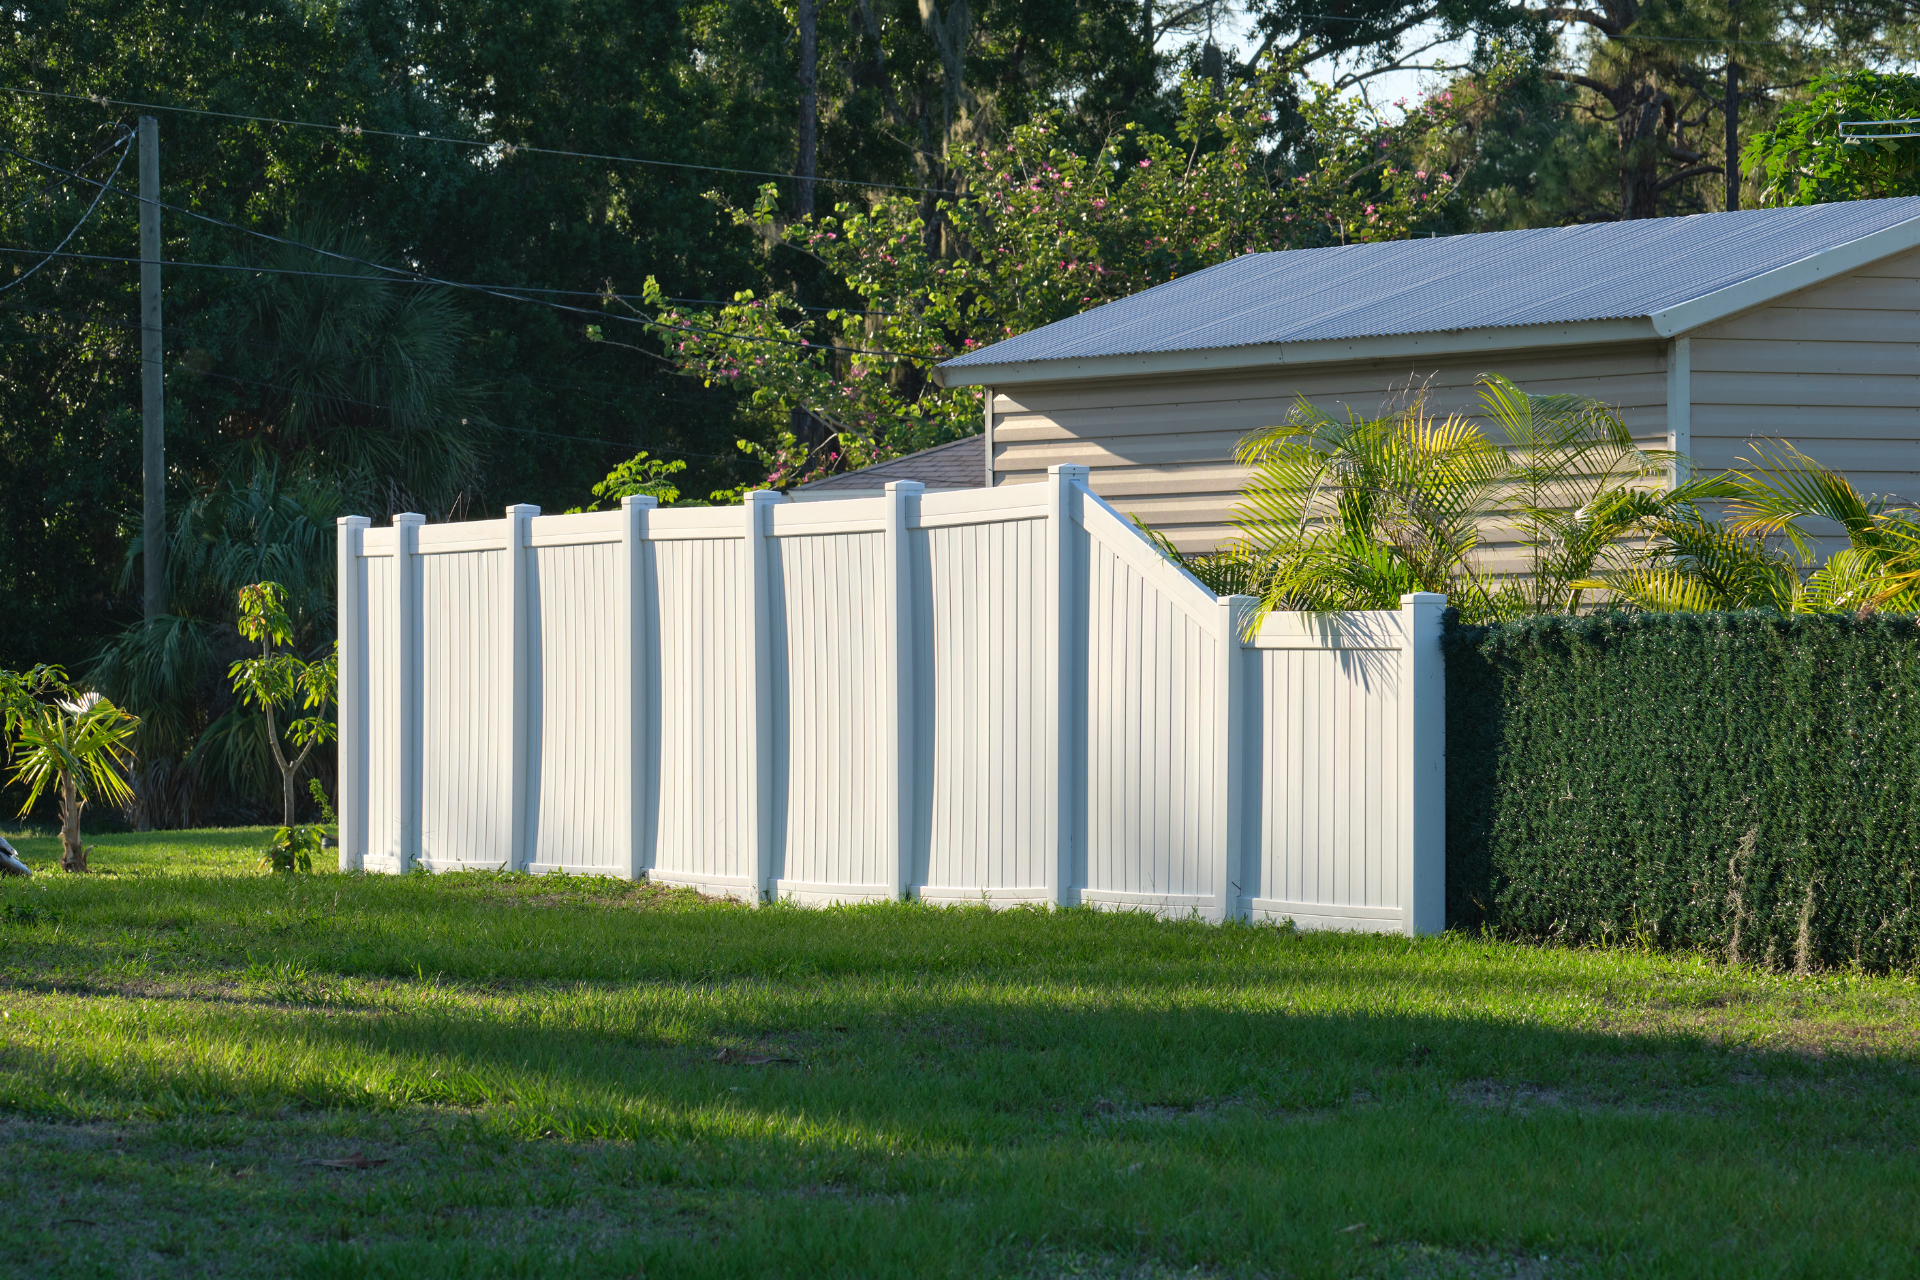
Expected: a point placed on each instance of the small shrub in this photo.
(293, 848)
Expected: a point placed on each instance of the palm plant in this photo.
(1763, 556)
(1352, 513)
(355, 378)
(192, 736)
(69, 740)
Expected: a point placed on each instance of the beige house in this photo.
(1798, 324)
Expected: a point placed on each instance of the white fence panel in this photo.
(1002, 694)
(695, 677)
(466, 810)
(1156, 826)
(980, 616)
(828, 633)
(575, 720)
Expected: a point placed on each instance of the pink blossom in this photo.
(1144, 164)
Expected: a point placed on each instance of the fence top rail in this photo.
(1349, 629)
(1122, 537)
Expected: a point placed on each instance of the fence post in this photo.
(350, 796)
(757, 699)
(1230, 718)
(902, 502)
(1066, 674)
(632, 696)
(406, 585)
(1423, 764)
(518, 530)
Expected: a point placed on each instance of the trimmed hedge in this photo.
(1742, 782)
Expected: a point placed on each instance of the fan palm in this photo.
(357, 379)
(73, 742)
(168, 669)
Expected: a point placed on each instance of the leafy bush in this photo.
(1739, 782)
(293, 848)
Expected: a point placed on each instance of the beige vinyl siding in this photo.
(1834, 368)
(1162, 447)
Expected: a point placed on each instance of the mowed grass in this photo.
(589, 1078)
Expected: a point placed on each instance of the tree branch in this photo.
(1598, 21)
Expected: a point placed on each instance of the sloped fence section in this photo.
(1003, 695)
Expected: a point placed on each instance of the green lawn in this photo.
(589, 1078)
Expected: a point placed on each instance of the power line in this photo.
(495, 291)
(74, 230)
(423, 277)
(578, 390)
(62, 180)
(505, 149)
(179, 367)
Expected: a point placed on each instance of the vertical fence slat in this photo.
(407, 612)
(757, 720)
(898, 659)
(630, 702)
(351, 627)
(518, 521)
(1233, 748)
(1066, 654)
(1423, 747)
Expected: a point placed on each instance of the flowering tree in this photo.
(1036, 232)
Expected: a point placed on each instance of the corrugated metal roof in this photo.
(1553, 275)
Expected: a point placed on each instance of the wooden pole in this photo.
(153, 395)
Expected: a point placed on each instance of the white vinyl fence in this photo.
(1002, 695)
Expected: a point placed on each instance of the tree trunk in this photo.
(286, 796)
(808, 167)
(73, 854)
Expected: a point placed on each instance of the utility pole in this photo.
(153, 395)
(809, 106)
(1733, 118)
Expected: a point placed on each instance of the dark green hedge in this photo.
(1603, 772)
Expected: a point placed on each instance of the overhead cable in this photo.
(75, 229)
(502, 147)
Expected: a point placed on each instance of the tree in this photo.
(1037, 232)
(279, 679)
(1803, 159)
(72, 741)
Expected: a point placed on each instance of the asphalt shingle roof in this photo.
(958, 464)
(1553, 275)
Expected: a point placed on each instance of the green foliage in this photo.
(62, 739)
(1803, 159)
(1353, 513)
(1763, 555)
(292, 849)
(278, 680)
(1604, 775)
(1041, 230)
(328, 817)
(639, 476)
(61, 736)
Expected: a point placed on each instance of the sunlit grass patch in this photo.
(482, 1074)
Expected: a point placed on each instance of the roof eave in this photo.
(1781, 281)
(1327, 351)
